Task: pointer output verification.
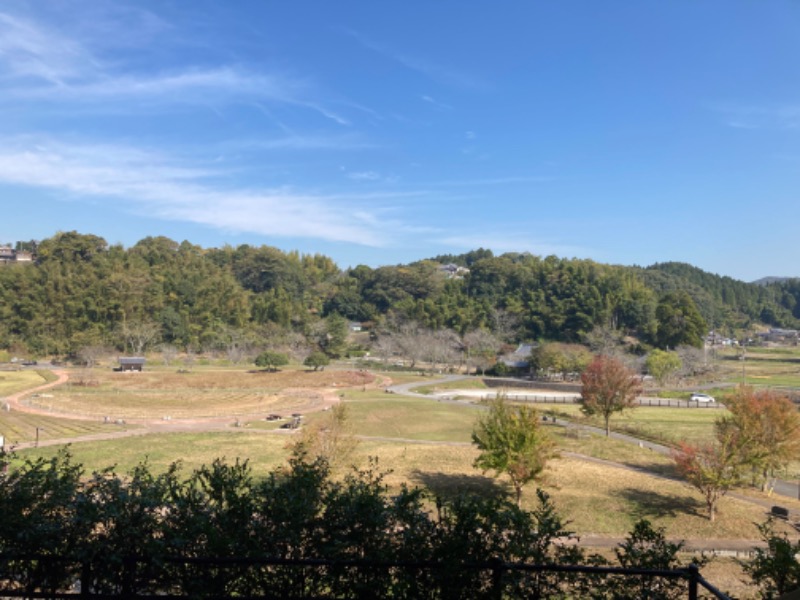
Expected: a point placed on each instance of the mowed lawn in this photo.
(394, 416)
(425, 443)
(669, 425)
(762, 367)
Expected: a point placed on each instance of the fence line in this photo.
(165, 577)
(645, 401)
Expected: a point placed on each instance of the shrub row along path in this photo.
(147, 427)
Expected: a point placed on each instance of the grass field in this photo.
(761, 367)
(417, 441)
(420, 440)
(207, 392)
(18, 427)
(595, 498)
(460, 384)
(12, 382)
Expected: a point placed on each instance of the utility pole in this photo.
(742, 358)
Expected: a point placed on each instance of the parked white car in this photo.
(702, 398)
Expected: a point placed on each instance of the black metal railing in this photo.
(52, 577)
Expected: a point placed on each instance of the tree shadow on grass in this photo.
(646, 504)
(449, 485)
(662, 469)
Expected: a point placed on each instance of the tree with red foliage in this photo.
(608, 387)
(767, 428)
(713, 469)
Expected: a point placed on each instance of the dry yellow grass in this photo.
(12, 382)
(154, 394)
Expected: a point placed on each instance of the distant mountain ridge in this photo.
(771, 279)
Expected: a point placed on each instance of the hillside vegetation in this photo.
(82, 294)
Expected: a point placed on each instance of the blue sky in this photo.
(386, 132)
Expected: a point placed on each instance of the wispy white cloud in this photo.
(436, 103)
(364, 176)
(159, 185)
(28, 50)
(785, 116)
(304, 142)
(40, 63)
(427, 67)
(489, 181)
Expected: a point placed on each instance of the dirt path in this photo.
(323, 399)
(15, 400)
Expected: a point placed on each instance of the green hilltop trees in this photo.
(82, 291)
(271, 360)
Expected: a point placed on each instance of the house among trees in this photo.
(453, 271)
(131, 363)
(519, 359)
(780, 336)
(715, 339)
(9, 255)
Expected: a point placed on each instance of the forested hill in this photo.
(81, 292)
(724, 301)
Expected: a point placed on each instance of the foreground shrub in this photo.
(154, 534)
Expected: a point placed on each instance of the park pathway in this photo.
(782, 488)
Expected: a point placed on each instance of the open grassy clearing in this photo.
(761, 366)
(12, 382)
(671, 425)
(597, 499)
(264, 451)
(667, 425)
(156, 393)
(19, 427)
(413, 418)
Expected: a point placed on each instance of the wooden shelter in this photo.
(131, 363)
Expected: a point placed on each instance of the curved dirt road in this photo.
(326, 398)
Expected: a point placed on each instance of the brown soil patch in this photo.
(235, 380)
(197, 395)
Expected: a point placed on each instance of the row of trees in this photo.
(755, 441)
(82, 292)
(512, 440)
